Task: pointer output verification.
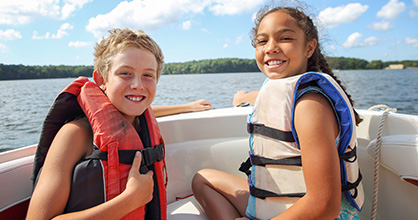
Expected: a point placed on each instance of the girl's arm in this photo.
(317, 128)
(242, 96)
(164, 110)
(73, 142)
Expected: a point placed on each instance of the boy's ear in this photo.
(98, 78)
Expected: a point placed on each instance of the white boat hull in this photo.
(218, 139)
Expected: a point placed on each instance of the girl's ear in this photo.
(98, 78)
(311, 47)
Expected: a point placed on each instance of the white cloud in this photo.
(413, 14)
(72, 5)
(238, 40)
(150, 15)
(226, 45)
(25, 11)
(10, 34)
(332, 17)
(332, 47)
(78, 44)
(187, 25)
(147, 15)
(381, 26)
(231, 7)
(370, 41)
(416, 2)
(3, 48)
(355, 40)
(391, 10)
(205, 30)
(61, 32)
(413, 41)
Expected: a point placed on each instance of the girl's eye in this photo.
(261, 41)
(287, 38)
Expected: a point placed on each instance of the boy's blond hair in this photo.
(120, 39)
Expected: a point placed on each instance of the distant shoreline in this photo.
(222, 65)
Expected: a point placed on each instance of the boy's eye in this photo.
(125, 73)
(149, 75)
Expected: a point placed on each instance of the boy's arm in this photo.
(73, 142)
(164, 110)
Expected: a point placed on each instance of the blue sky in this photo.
(55, 32)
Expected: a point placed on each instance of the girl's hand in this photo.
(139, 186)
(239, 98)
(242, 218)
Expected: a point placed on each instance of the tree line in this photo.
(223, 65)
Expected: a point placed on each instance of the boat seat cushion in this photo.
(399, 153)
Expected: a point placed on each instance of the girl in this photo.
(298, 128)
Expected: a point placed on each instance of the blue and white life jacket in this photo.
(274, 168)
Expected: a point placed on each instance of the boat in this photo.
(218, 139)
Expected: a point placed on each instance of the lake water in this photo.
(24, 103)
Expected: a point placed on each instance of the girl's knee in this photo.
(200, 178)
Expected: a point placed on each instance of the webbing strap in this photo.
(354, 185)
(350, 154)
(150, 156)
(270, 132)
(245, 167)
(262, 194)
(263, 161)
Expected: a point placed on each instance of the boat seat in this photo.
(15, 175)
(399, 153)
(185, 209)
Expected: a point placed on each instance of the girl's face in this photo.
(131, 83)
(281, 47)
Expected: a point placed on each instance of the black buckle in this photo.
(152, 155)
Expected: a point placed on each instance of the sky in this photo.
(64, 32)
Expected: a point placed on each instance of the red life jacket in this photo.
(117, 141)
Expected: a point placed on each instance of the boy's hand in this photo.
(139, 186)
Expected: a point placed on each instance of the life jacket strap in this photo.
(354, 185)
(262, 194)
(270, 132)
(350, 154)
(150, 156)
(263, 161)
(245, 167)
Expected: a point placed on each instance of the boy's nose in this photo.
(137, 83)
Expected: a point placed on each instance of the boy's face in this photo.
(132, 81)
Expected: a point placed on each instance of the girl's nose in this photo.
(271, 47)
